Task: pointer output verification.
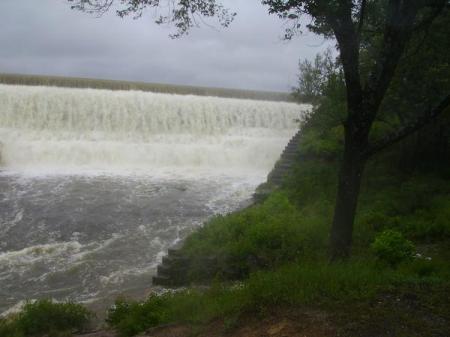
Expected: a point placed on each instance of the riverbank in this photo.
(273, 255)
(417, 311)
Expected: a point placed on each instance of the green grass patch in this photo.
(264, 236)
(315, 284)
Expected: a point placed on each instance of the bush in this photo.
(46, 318)
(431, 224)
(131, 317)
(263, 236)
(390, 246)
(9, 328)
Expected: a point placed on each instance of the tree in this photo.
(371, 36)
(314, 76)
(365, 90)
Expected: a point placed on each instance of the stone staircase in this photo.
(174, 268)
(286, 162)
(282, 168)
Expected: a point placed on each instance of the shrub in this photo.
(131, 317)
(431, 224)
(46, 318)
(9, 328)
(263, 236)
(390, 246)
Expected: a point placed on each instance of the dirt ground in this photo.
(417, 311)
(285, 324)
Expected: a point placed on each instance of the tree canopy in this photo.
(182, 14)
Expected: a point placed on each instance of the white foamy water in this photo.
(59, 129)
(95, 185)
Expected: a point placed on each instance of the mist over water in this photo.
(95, 185)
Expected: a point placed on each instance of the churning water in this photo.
(95, 185)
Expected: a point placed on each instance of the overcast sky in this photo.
(47, 37)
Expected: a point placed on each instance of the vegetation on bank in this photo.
(75, 82)
(46, 318)
(277, 250)
(276, 254)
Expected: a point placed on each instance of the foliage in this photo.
(131, 317)
(183, 14)
(390, 246)
(316, 284)
(9, 328)
(262, 236)
(291, 225)
(314, 76)
(46, 318)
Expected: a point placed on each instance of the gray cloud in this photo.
(47, 37)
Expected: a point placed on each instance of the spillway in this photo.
(96, 184)
(61, 130)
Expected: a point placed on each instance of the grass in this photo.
(316, 284)
(261, 237)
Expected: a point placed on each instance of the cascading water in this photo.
(75, 129)
(96, 184)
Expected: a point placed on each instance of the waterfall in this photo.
(64, 129)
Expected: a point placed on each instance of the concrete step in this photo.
(173, 252)
(277, 181)
(171, 260)
(161, 281)
(289, 156)
(290, 150)
(283, 163)
(281, 170)
(283, 166)
(164, 270)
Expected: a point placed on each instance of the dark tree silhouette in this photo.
(182, 14)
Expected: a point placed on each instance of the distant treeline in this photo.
(74, 82)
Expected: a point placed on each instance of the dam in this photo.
(96, 185)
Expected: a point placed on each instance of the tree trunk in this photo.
(349, 183)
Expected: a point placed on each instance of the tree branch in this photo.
(348, 42)
(400, 25)
(407, 130)
(399, 22)
(182, 14)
